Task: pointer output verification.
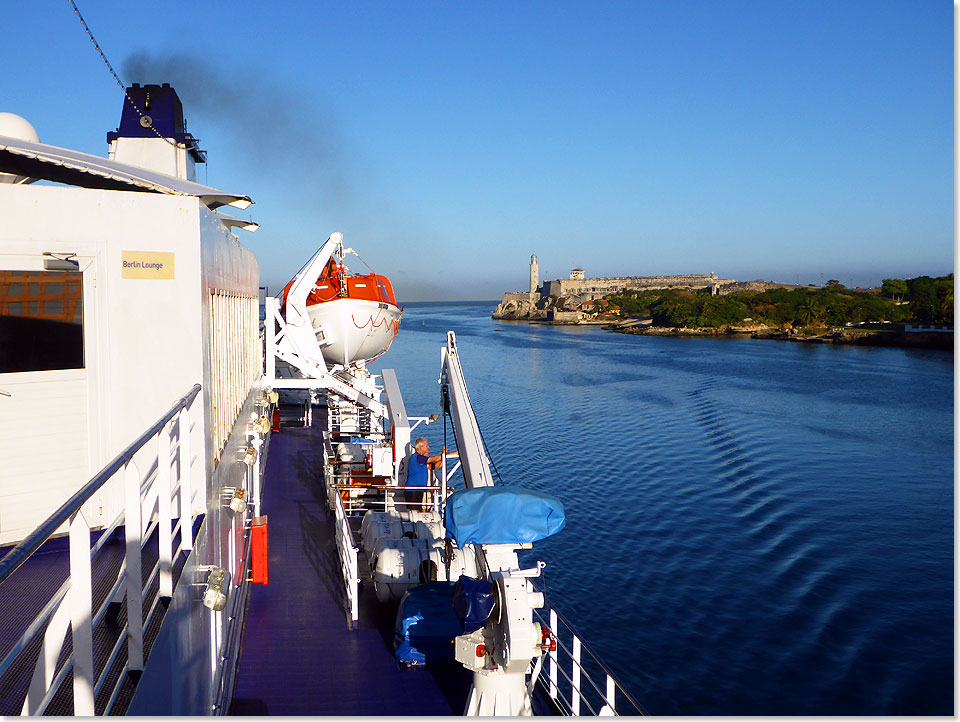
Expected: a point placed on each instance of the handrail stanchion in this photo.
(611, 693)
(80, 599)
(134, 541)
(256, 482)
(355, 592)
(575, 681)
(554, 689)
(46, 666)
(165, 533)
(186, 465)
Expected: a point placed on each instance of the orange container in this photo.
(259, 551)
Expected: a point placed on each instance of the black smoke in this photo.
(284, 135)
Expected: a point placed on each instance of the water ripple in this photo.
(744, 533)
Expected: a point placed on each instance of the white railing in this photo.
(577, 683)
(347, 550)
(149, 503)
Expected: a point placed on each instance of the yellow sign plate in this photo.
(153, 265)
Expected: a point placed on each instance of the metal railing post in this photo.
(46, 666)
(256, 480)
(269, 336)
(186, 464)
(165, 520)
(134, 542)
(80, 599)
(554, 689)
(575, 679)
(354, 591)
(611, 693)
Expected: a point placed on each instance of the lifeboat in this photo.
(354, 316)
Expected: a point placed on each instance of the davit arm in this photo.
(297, 341)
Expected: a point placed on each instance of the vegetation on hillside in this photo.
(922, 299)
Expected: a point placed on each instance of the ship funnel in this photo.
(14, 126)
(153, 133)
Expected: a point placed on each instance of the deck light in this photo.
(218, 584)
(238, 502)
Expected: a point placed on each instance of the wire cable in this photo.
(123, 87)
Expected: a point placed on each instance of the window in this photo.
(42, 330)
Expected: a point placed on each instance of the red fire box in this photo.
(259, 550)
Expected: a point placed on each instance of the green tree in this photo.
(807, 311)
(922, 296)
(944, 301)
(895, 288)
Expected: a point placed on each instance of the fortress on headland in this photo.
(570, 299)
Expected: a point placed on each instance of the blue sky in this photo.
(450, 140)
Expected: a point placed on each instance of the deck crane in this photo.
(510, 644)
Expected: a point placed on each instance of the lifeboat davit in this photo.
(354, 316)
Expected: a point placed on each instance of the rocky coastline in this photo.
(849, 336)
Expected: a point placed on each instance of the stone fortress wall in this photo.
(541, 301)
(590, 289)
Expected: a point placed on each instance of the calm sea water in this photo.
(753, 527)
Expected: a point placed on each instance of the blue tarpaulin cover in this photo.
(502, 515)
(472, 602)
(426, 625)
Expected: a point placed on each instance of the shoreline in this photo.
(843, 336)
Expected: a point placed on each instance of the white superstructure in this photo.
(119, 293)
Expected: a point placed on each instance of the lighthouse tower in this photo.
(534, 276)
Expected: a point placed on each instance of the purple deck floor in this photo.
(298, 656)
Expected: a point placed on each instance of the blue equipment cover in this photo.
(472, 602)
(426, 625)
(502, 515)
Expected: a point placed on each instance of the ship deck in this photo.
(298, 654)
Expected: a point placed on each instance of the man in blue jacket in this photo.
(419, 468)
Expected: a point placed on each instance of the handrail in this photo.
(20, 553)
(591, 652)
(71, 606)
(346, 549)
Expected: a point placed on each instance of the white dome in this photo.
(13, 126)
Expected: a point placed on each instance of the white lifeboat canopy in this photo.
(16, 126)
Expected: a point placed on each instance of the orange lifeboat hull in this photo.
(357, 324)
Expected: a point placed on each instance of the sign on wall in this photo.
(153, 265)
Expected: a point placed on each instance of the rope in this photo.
(123, 87)
(350, 250)
(383, 321)
(369, 320)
